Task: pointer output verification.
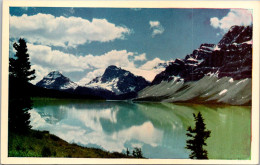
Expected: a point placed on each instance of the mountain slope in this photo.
(119, 81)
(55, 80)
(60, 85)
(209, 89)
(212, 73)
(231, 57)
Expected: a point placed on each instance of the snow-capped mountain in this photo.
(212, 73)
(231, 57)
(236, 35)
(118, 81)
(55, 80)
(115, 84)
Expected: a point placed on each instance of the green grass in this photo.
(44, 144)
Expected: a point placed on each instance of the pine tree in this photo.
(20, 74)
(20, 67)
(198, 137)
(137, 153)
(127, 152)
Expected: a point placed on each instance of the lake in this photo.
(159, 129)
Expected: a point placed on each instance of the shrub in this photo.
(55, 138)
(46, 152)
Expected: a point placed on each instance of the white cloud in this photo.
(154, 24)
(90, 76)
(147, 70)
(56, 60)
(147, 74)
(156, 27)
(44, 60)
(149, 65)
(141, 57)
(234, 17)
(40, 72)
(214, 22)
(61, 31)
(114, 57)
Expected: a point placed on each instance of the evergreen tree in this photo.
(127, 152)
(198, 137)
(20, 74)
(137, 153)
(20, 67)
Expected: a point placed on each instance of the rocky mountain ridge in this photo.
(115, 83)
(211, 74)
(55, 80)
(118, 81)
(231, 57)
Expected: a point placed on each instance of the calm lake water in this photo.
(159, 129)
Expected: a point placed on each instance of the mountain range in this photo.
(213, 73)
(218, 73)
(114, 82)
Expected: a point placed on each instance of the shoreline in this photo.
(43, 144)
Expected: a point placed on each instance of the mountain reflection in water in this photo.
(158, 128)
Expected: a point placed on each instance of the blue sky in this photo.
(82, 42)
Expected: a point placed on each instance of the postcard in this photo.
(126, 82)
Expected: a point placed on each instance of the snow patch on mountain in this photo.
(109, 85)
(69, 85)
(223, 91)
(216, 48)
(55, 80)
(118, 80)
(208, 89)
(53, 75)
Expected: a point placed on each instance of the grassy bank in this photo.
(44, 144)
